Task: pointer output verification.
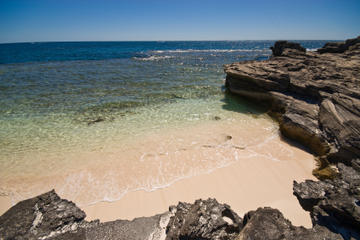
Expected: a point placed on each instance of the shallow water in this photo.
(95, 120)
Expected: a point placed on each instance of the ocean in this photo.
(95, 120)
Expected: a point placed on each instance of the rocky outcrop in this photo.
(315, 97)
(49, 217)
(280, 46)
(334, 203)
(340, 47)
(41, 217)
(270, 224)
(205, 219)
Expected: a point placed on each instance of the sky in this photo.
(125, 20)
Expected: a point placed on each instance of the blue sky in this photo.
(110, 20)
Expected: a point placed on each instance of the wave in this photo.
(152, 58)
(311, 49)
(210, 50)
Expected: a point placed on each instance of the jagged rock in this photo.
(315, 97)
(333, 203)
(149, 228)
(267, 224)
(280, 46)
(339, 47)
(40, 217)
(310, 192)
(205, 219)
(49, 217)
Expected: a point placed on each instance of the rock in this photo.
(339, 47)
(333, 203)
(49, 217)
(310, 192)
(149, 228)
(40, 217)
(280, 46)
(315, 97)
(205, 219)
(267, 224)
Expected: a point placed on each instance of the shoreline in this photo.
(272, 187)
(273, 161)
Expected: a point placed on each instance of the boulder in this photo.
(280, 46)
(269, 224)
(205, 219)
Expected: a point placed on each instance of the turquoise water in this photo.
(60, 99)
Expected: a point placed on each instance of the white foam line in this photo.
(211, 50)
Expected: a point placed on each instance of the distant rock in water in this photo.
(341, 47)
(280, 46)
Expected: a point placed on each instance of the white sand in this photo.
(240, 161)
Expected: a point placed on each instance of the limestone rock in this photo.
(39, 217)
(316, 97)
(269, 224)
(205, 219)
(333, 203)
(49, 217)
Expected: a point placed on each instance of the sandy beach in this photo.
(239, 160)
(244, 185)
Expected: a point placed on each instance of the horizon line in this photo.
(79, 41)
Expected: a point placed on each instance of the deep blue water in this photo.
(66, 51)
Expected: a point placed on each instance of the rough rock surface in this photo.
(205, 219)
(270, 224)
(49, 217)
(40, 217)
(334, 203)
(316, 97)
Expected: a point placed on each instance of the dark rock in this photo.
(310, 192)
(205, 219)
(42, 216)
(267, 224)
(49, 217)
(333, 203)
(340, 47)
(280, 46)
(315, 97)
(151, 228)
(317, 104)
